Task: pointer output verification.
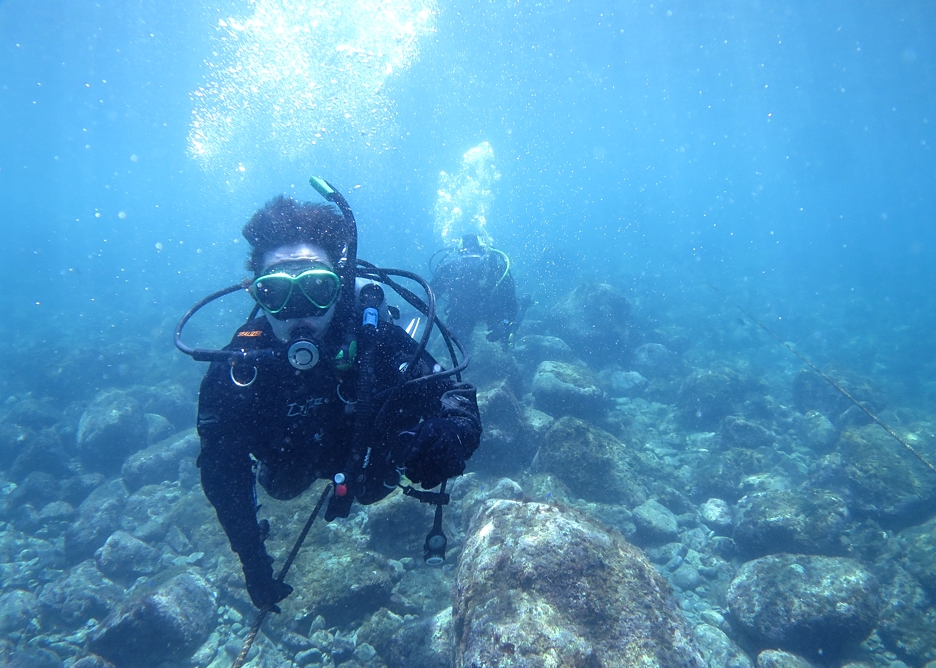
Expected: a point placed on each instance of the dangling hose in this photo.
(506, 266)
(248, 643)
(349, 482)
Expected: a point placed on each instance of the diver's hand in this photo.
(436, 452)
(258, 574)
(500, 331)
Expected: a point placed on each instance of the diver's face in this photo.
(312, 321)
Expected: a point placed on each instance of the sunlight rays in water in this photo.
(298, 73)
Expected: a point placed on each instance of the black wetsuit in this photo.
(479, 287)
(299, 428)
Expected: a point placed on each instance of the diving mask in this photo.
(280, 291)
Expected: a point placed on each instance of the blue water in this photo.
(781, 152)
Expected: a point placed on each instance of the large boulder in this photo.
(655, 523)
(57, 517)
(654, 360)
(11, 437)
(718, 516)
(719, 650)
(595, 320)
(920, 554)
(719, 474)
(817, 432)
(426, 643)
(18, 612)
(82, 594)
(708, 395)
(561, 389)
(42, 450)
(99, 516)
(907, 624)
(804, 603)
(341, 584)
(470, 493)
(535, 348)
(774, 658)
(624, 383)
(95, 365)
(92, 661)
(169, 400)
(536, 586)
(882, 479)
(77, 488)
(160, 462)
(739, 433)
(422, 592)
(167, 625)
(31, 657)
(511, 433)
(398, 525)
(38, 488)
(810, 521)
(491, 363)
(30, 411)
(379, 631)
(591, 462)
(150, 511)
(811, 392)
(112, 428)
(126, 557)
(26, 560)
(535, 424)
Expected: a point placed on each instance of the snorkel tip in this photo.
(322, 186)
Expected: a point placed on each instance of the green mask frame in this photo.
(272, 291)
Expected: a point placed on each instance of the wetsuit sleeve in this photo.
(227, 474)
(435, 426)
(228, 432)
(440, 445)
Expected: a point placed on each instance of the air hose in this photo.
(348, 483)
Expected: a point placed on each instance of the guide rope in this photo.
(831, 381)
(252, 635)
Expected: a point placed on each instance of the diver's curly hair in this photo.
(283, 221)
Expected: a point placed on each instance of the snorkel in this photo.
(347, 264)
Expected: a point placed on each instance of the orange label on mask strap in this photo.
(254, 332)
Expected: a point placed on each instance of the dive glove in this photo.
(500, 331)
(436, 452)
(258, 574)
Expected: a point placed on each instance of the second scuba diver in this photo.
(479, 286)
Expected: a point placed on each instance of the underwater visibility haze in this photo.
(668, 181)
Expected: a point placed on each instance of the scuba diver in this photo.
(479, 286)
(319, 382)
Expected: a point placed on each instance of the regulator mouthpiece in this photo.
(303, 355)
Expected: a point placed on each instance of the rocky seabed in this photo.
(632, 504)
